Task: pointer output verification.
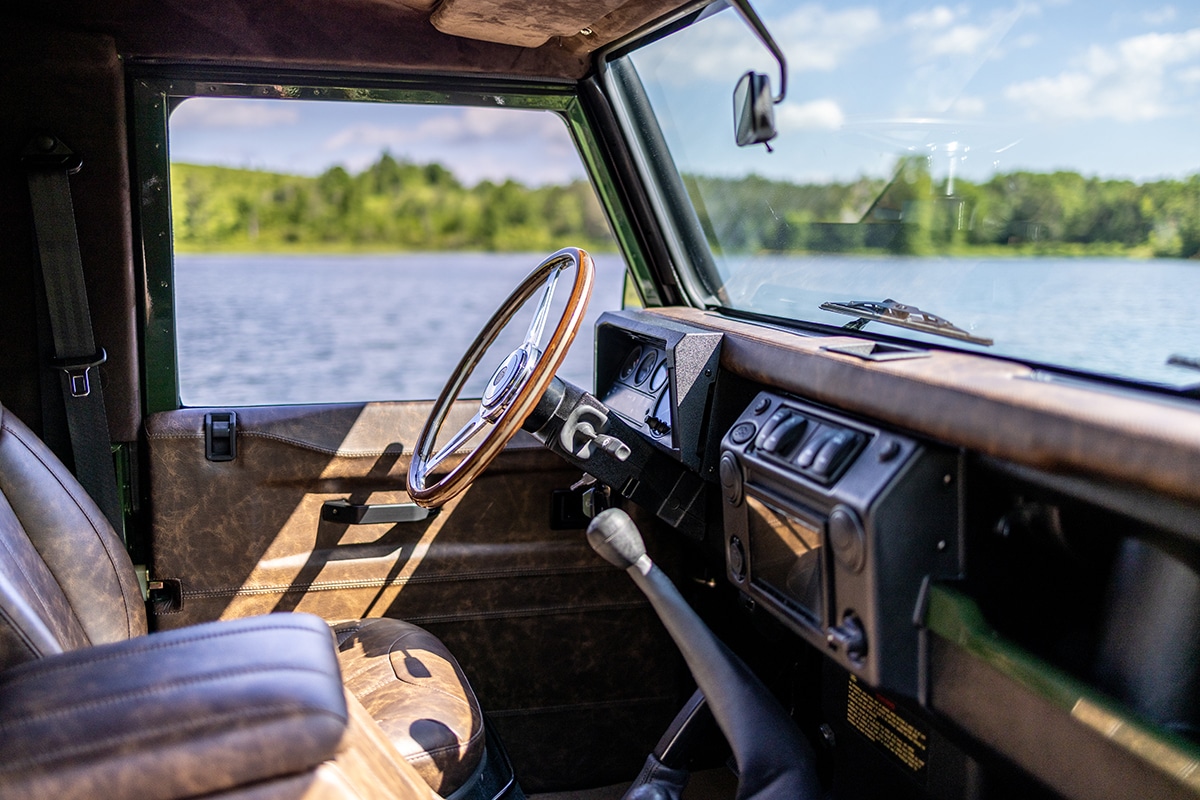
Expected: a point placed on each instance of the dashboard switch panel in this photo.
(832, 525)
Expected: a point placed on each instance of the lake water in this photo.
(288, 329)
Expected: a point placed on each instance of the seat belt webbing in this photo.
(48, 163)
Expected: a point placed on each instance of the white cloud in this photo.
(959, 40)
(813, 37)
(466, 126)
(945, 31)
(1159, 16)
(1126, 82)
(823, 115)
(224, 112)
(475, 143)
(1191, 75)
(820, 39)
(1025, 41)
(931, 19)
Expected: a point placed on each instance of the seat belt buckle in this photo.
(78, 371)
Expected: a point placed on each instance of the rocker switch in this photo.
(813, 446)
(831, 453)
(775, 420)
(785, 435)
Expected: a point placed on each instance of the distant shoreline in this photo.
(400, 207)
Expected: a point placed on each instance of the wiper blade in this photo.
(905, 316)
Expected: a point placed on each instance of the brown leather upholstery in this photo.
(366, 767)
(411, 685)
(173, 715)
(66, 584)
(65, 578)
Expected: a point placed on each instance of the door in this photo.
(314, 317)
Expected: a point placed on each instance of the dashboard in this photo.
(898, 519)
(830, 523)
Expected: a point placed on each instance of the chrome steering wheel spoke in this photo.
(533, 337)
(476, 424)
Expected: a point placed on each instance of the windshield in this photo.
(1027, 173)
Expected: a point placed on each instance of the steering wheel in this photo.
(515, 387)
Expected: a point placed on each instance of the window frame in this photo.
(155, 90)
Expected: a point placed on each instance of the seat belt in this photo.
(48, 163)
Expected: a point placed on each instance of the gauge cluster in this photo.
(641, 394)
(659, 379)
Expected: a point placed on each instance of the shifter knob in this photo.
(613, 535)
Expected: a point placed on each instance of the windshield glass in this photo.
(1028, 173)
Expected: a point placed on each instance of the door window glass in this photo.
(332, 251)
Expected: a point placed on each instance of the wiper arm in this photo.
(904, 316)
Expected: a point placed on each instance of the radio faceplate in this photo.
(834, 526)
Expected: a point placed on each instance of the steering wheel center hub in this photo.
(506, 381)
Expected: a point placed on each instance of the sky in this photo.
(1103, 88)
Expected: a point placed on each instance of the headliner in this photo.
(549, 39)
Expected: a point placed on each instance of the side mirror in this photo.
(753, 110)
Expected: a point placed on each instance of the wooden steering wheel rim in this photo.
(518, 409)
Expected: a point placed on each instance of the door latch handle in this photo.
(347, 513)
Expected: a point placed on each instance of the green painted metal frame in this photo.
(156, 89)
(956, 618)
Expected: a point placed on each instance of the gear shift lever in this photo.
(774, 760)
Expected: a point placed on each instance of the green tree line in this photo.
(1017, 212)
(396, 205)
(391, 205)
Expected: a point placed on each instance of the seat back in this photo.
(66, 580)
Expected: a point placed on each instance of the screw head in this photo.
(827, 736)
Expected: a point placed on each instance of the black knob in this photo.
(847, 539)
(737, 559)
(731, 477)
(849, 637)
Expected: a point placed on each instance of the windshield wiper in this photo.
(905, 316)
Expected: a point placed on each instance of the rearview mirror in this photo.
(753, 110)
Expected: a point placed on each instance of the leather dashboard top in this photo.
(989, 405)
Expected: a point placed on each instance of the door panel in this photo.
(534, 616)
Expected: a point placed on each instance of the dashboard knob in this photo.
(847, 539)
(731, 478)
(737, 559)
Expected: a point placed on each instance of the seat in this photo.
(412, 686)
(67, 583)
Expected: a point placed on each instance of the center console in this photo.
(834, 525)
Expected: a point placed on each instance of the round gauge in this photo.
(631, 362)
(660, 377)
(644, 368)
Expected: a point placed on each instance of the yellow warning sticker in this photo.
(884, 723)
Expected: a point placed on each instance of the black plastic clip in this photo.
(220, 436)
(78, 369)
(48, 153)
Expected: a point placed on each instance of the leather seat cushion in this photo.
(412, 686)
